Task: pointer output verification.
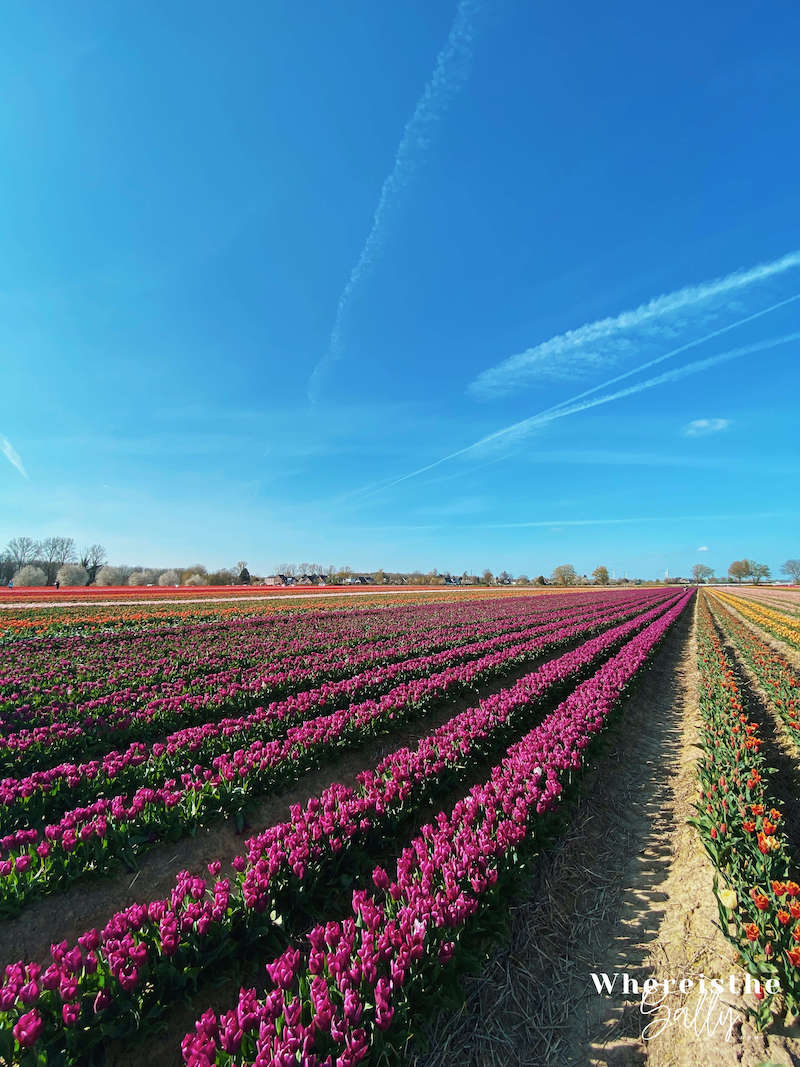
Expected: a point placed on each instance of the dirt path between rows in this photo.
(627, 889)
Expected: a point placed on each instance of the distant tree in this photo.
(222, 577)
(6, 568)
(760, 572)
(93, 558)
(600, 575)
(504, 578)
(244, 576)
(540, 580)
(143, 576)
(380, 577)
(487, 578)
(739, 569)
(110, 576)
(792, 568)
(53, 553)
(564, 574)
(196, 579)
(700, 572)
(169, 577)
(523, 580)
(72, 574)
(187, 572)
(30, 575)
(22, 551)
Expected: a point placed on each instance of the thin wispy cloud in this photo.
(611, 340)
(557, 524)
(633, 520)
(703, 427)
(702, 548)
(12, 455)
(582, 402)
(449, 76)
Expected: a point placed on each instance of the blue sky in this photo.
(456, 285)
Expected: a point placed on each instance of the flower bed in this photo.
(110, 830)
(740, 825)
(100, 987)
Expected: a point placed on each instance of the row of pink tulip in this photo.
(41, 794)
(145, 952)
(98, 836)
(338, 1001)
(59, 673)
(126, 714)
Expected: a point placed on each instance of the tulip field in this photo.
(329, 935)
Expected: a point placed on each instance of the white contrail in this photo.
(449, 76)
(677, 351)
(581, 403)
(618, 336)
(637, 519)
(12, 455)
(523, 426)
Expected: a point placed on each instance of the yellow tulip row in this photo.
(774, 622)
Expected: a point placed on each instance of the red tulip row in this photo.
(741, 826)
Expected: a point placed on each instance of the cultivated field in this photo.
(399, 826)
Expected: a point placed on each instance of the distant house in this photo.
(285, 579)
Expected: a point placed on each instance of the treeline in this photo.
(331, 575)
(747, 570)
(57, 561)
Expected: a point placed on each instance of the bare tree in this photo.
(93, 558)
(54, 552)
(22, 551)
(792, 568)
(168, 578)
(700, 572)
